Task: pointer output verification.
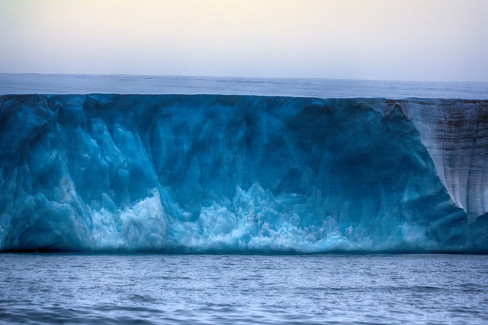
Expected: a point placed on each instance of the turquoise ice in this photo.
(213, 173)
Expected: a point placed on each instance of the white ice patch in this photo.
(141, 226)
(253, 223)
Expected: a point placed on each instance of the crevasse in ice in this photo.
(209, 173)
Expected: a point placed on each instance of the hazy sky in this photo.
(366, 39)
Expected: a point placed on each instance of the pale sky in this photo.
(350, 39)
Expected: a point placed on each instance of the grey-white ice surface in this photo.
(455, 133)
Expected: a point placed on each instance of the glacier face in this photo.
(203, 173)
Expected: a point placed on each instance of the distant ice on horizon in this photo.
(294, 87)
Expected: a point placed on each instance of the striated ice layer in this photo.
(457, 138)
(210, 173)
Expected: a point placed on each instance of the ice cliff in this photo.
(204, 173)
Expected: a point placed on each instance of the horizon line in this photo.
(237, 77)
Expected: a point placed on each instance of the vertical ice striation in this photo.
(242, 173)
(455, 132)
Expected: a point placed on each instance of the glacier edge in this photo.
(200, 173)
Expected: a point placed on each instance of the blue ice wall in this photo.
(205, 173)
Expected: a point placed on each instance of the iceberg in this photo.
(228, 173)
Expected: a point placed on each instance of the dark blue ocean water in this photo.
(241, 289)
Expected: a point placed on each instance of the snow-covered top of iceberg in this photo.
(321, 88)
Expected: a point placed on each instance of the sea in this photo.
(243, 289)
(190, 85)
(82, 288)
